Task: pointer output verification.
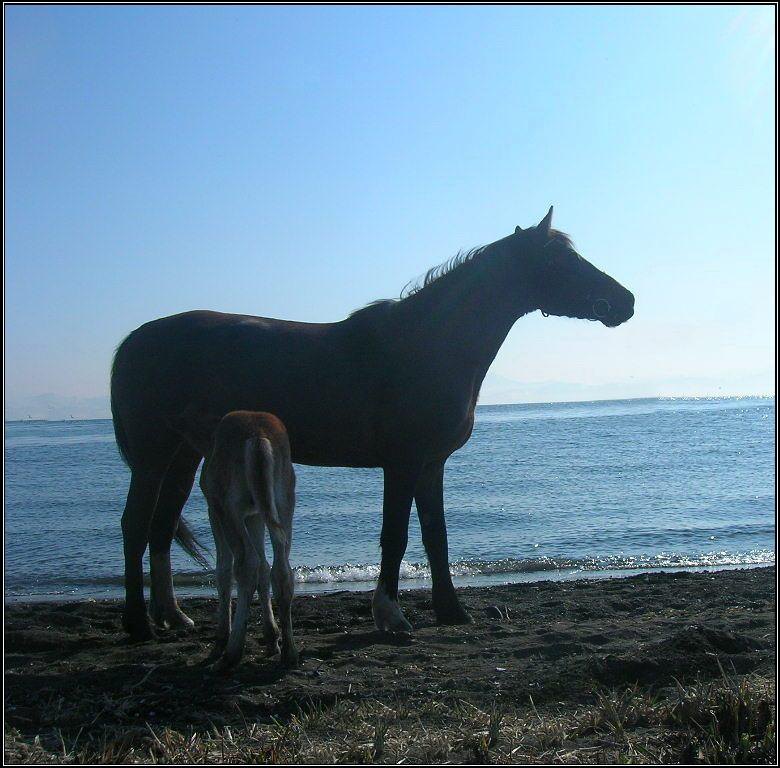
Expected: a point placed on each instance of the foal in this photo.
(249, 482)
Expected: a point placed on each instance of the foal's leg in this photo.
(136, 519)
(429, 497)
(174, 493)
(399, 489)
(246, 566)
(284, 588)
(256, 527)
(224, 581)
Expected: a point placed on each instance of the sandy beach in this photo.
(74, 684)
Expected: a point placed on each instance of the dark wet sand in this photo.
(69, 666)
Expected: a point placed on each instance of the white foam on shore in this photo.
(465, 569)
(357, 576)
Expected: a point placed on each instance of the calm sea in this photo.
(540, 491)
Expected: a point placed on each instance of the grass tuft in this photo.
(731, 720)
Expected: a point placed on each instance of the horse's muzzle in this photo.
(601, 309)
(612, 315)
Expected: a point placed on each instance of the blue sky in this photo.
(301, 161)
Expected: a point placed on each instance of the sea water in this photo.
(554, 490)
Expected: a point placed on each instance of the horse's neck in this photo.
(466, 315)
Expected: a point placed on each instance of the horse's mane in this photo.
(453, 265)
(374, 308)
(562, 238)
(415, 286)
(441, 270)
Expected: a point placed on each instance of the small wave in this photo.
(354, 573)
(508, 566)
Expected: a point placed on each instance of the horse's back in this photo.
(183, 373)
(206, 335)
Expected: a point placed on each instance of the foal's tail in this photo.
(259, 465)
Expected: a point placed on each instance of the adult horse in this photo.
(392, 386)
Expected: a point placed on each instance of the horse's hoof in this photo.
(180, 620)
(393, 623)
(398, 627)
(388, 616)
(138, 627)
(170, 617)
(157, 617)
(453, 616)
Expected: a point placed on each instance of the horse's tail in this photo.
(259, 467)
(190, 543)
(122, 442)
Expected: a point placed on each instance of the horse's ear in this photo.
(518, 230)
(544, 225)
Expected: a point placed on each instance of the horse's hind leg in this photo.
(245, 565)
(284, 588)
(256, 527)
(141, 500)
(397, 504)
(224, 579)
(173, 496)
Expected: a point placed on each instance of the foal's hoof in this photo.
(290, 658)
(215, 654)
(224, 665)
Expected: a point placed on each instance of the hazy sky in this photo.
(299, 162)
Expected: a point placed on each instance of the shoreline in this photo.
(560, 650)
(186, 589)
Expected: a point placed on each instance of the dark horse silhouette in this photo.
(393, 386)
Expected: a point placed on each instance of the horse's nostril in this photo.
(601, 308)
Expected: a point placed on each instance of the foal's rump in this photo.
(260, 471)
(249, 468)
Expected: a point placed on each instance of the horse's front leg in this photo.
(429, 498)
(397, 504)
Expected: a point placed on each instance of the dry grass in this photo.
(732, 720)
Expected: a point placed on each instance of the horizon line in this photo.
(762, 396)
